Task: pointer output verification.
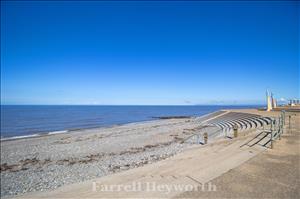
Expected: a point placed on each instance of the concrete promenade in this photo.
(275, 173)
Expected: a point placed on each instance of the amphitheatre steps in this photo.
(243, 121)
(224, 123)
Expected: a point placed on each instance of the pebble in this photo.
(54, 176)
(109, 141)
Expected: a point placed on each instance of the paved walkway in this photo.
(274, 173)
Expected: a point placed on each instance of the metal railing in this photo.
(273, 130)
(277, 127)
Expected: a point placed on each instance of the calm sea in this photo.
(19, 121)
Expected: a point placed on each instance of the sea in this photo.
(19, 121)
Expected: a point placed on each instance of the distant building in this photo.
(271, 102)
(294, 102)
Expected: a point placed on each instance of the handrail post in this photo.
(279, 128)
(205, 137)
(283, 114)
(282, 122)
(271, 131)
(290, 122)
(235, 131)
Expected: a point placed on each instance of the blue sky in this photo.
(148, 52)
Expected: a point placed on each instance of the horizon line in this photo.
(259, 104)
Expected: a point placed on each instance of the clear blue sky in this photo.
(148, 52)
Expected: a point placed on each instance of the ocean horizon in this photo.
(19, 121)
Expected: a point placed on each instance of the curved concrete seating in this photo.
(240, 124)
(250, 121)
(258, 122)
(244, 124)
(265, 121)
(255, 122)
(224, 126)
(232, 116)
(251, 125)
(218, 125)
(227, 126)
(221, 126)
(261, 121)
(268, 119)
(230, 126)
(231, 123)
(243, 121)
